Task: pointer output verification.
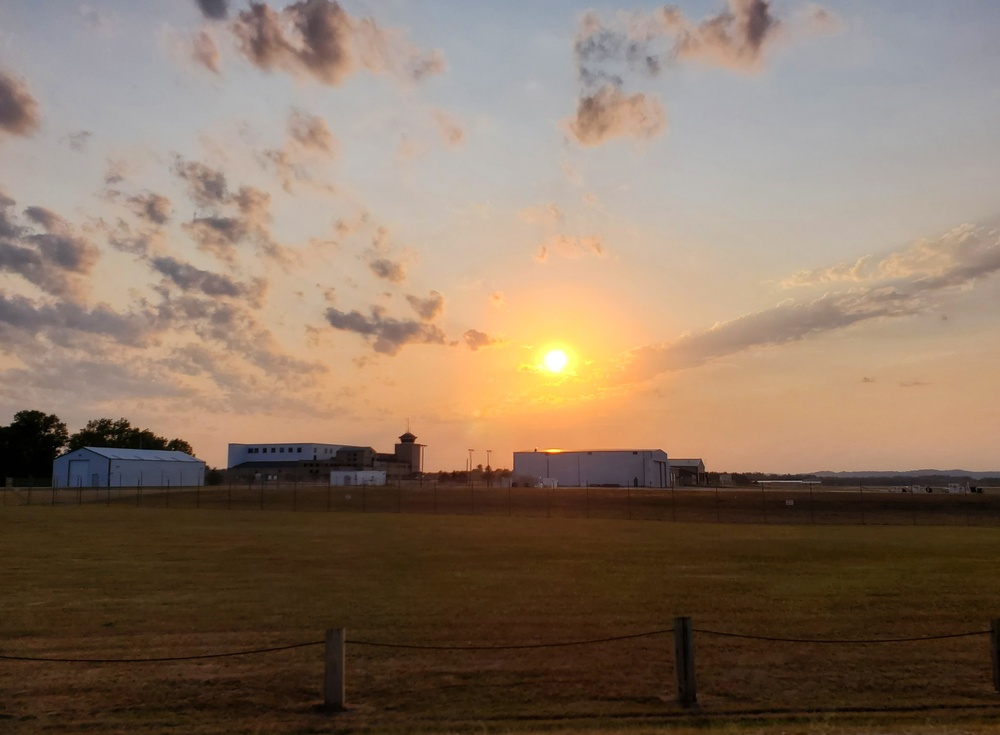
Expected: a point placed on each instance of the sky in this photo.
(763, 233)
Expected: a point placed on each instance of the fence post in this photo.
(687, 695)
(333, 673)
(995, 653)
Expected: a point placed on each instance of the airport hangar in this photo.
(583, 468)
(114, 467)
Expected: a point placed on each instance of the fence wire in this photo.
(511, 647)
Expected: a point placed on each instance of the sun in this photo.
(555, 361)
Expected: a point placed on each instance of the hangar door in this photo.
(79, 470)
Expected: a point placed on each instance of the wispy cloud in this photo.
(565, 246)
(900, 284)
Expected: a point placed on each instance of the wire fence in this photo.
(497, 647)
(861, 505)
(683, 632)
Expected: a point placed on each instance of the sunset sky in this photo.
(764, 234)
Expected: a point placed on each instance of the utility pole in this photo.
(470, 466)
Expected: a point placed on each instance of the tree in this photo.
(120, 433)
(30, 443)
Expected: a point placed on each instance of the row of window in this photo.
(281, 450)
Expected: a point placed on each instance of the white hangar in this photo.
(581, 468)
(112, 467)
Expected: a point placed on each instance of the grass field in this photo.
(859, 505)
(100, 582)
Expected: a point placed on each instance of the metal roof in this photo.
(146, 455)
(685, 462)
(584, 451)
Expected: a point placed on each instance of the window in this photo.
(273, 450)
(282, 450)
(299, 450)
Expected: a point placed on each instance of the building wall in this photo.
(294, 451)
(348, 478)
(641, 468)
(410, 454)
(84, 468)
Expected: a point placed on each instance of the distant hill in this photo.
(910, 473)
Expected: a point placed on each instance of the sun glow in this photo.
(555, 361)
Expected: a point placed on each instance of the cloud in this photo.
(153, 208)
(609, 113)
(570, 247)
(214, 9)
(544, 214)
(379, 261)
(217, 235)
(78, 140)
(206, 186)
(189, 278)
(428, 309)
(319, 39)
(965, 253)
(18, 108)
(901, 284)
(498, 299)
(98, 20)
(58, 320)
(389, 334)
(55, 260)
(311, 132)
(736, 38)
(388, 270)
(205, 51)
(309, 139)
(247, 219)
(642, 44)
(474, 339)
(450, 129)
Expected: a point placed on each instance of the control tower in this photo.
(408, 452)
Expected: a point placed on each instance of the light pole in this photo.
(470, 466)
(489, 469)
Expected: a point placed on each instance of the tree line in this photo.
(30, 443)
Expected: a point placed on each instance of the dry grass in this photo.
(120, 581)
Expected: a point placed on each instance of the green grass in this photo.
(121, 581)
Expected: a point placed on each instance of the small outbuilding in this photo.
(347, 478)
(113, 467)
(687, 472)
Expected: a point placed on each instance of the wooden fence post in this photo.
(687, 695)
(333, 674)
(995, 653)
